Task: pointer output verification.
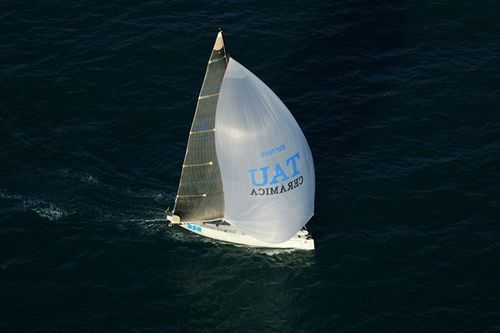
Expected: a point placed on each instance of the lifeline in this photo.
(277, 189)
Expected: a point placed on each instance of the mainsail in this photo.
(200, 196)
(265, 162)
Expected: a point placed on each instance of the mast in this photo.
(200, 196)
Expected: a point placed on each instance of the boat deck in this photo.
(224, 231)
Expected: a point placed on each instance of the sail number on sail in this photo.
(272, 151)
(278, 177)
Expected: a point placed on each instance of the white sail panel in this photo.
(266, 165)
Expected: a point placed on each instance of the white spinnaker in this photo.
(256, 136)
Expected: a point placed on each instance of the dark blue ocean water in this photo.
(399, 102)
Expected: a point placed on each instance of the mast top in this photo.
(219, 41)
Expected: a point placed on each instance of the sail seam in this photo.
(205, 131)
(208, 96)
(192, 195)
(199, 164)
(215, 60)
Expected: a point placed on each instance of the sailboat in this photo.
(248, 173)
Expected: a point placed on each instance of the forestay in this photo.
(265, 162)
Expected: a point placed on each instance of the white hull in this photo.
(227, 233)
